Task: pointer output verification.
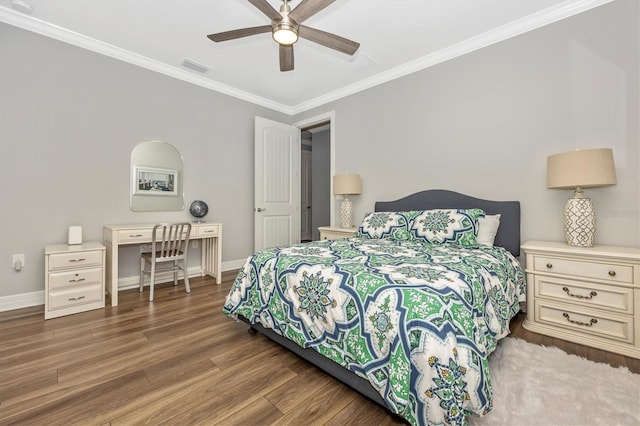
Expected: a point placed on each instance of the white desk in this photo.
(136, 233)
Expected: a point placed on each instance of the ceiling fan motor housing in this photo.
(285, 32)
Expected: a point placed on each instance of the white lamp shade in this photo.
(587, 168)
(347, 184)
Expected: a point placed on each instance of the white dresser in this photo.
(589, 296)
(74, 278)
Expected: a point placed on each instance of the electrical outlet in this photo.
(194, 244)
(17, 261)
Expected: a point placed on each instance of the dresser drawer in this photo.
(75, 260)
(603, 296)
(75, 278)
(592, 322)
(135, 236)
(578, 268)
(75, 296)
(207, 231)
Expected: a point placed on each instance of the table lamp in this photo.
(580, 169)
(346, 184)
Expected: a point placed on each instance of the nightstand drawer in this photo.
(75, 260)
(75, 296)
(75, 278)
(596, 323)
(600, 271)
(334, 235)
(613, 298)
(335, 232)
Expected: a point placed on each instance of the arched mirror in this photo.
(156, 177)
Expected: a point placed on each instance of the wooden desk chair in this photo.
(170, 243)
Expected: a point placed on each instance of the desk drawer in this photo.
(206, 231)
(75, 260)
(75, 278)
(75, 296)
(601, 271)
(135, 236)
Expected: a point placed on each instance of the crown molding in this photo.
(547, 16)
(46, 29)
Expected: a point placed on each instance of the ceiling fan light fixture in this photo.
(285, 34)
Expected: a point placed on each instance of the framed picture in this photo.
(154, 181)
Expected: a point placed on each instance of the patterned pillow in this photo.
(447, 226)
(392, 225)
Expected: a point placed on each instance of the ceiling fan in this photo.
(286, 28)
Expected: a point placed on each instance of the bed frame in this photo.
(508, 237)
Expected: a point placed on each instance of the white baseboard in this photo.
(233, 264)
(35, 298)
(23, 300)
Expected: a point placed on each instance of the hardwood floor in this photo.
(177, 360)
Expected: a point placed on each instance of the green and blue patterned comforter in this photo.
(417, 320)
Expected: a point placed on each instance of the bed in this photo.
(406, 312)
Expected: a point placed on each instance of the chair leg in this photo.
(142, 265)
(186, 277)
(152, 281)
(175, 272)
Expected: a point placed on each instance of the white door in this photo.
(305, 197)
(277, 184)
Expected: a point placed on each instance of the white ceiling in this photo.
(396, 37)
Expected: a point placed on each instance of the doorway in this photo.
(315, 179)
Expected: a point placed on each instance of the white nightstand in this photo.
(74, 278)
(335, 232)
(589, 296)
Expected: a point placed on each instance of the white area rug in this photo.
(537, 385)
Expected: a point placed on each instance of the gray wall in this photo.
(484, 123)
(69, 119)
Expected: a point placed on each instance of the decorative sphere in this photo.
(198, 209)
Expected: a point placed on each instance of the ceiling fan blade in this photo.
(308, 8)
(329, 40)
(286, 58)
(242, 32)
(267, 9)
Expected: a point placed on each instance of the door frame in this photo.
(329, 116)
(306, 190)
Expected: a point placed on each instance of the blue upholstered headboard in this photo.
(508, 235)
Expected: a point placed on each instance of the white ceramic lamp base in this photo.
(346, 213)
(579, 222)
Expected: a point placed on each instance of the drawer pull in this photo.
(589, 324)
(82, 259)
(612, 273)
(209, 231)
(549, 265)
(578, 296)
(135, 235)
(71, 299)
(79, 280)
